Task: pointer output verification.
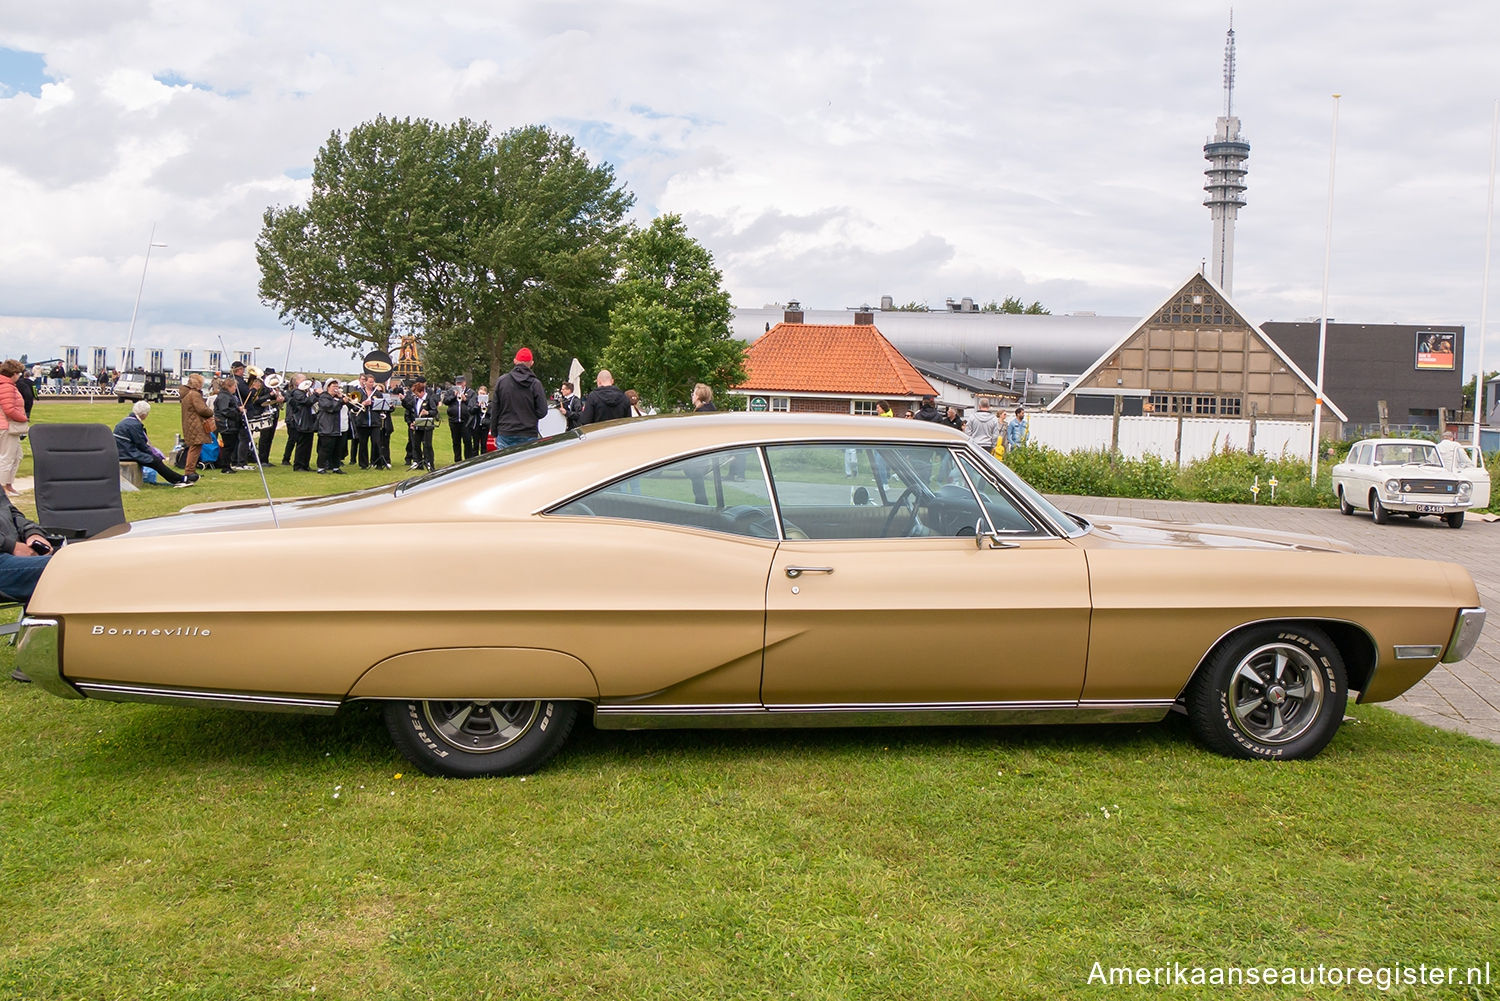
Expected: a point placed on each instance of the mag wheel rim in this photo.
(480, 727)
(1275, 693)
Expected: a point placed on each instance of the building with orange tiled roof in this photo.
(829, 368)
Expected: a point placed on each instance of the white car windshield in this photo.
(1416, 453)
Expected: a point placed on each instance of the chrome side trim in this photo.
(637, 717)
(1465, 634)
(1417, 652)
(262, 702)
(39, 656)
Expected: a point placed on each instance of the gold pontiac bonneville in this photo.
(739, 570)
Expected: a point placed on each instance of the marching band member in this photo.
(231, 421)
(367, 423)
(301, 424)
(329, 407)
(421, 419)
(460, 403)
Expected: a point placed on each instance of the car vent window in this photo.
(721, 492)
(1003, 512)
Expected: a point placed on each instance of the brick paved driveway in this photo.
(1463, 696)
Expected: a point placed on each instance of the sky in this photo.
(832, 153)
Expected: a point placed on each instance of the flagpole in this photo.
(1333, 152)
(130, 336)
(1484, 295)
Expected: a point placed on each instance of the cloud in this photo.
(834, 152)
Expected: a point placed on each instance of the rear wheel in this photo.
(474, 739)
(1378, 510)
(1344, 506)
(1271, 692)
(1454, 520)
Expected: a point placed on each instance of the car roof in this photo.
(1393, 441)
(597, 453)
(742, 427)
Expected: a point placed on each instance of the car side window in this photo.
(721, 492)
(866, 491)
(1007, 518)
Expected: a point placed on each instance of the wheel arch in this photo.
(1354, 643)
(478, 673)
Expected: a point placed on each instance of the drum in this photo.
(264, 422)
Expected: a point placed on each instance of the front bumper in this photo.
(39, 655)
(1413, 503)
(1465, 634)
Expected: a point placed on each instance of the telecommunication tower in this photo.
(1226, 154)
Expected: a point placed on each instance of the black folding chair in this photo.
(77, 470)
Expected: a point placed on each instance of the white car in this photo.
(1403, 475)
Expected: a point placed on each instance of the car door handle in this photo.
(795, 572)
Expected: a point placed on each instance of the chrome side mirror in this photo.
(980, 535)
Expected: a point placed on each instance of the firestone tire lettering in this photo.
(1269, 693)
(479, 739)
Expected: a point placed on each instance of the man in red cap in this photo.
(518, 404)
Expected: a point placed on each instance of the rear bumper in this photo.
(39, 655)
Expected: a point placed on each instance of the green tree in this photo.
(670, 328)
(1016, 307)
(534, 249)
(1469, 394)
(912, 307)
(349, 262)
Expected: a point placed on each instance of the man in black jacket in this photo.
(421, 414)
(329, 408)
(518, 404)
(606, 403)
(459, 399)
(928, 411)
(570, 405)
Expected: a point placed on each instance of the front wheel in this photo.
(1378, 511)
(478, 739)
(1454, 520)
(1272, 692)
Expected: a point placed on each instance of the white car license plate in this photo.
(1429, 509)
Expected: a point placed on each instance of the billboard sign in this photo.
(1436, 350)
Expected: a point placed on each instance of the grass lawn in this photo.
(161, 852)
(180, 853)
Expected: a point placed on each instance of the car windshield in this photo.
(1419, 453)
(489, 460)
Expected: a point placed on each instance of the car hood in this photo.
(1139, 532)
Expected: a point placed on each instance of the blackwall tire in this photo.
(1344, 506)
(1454, 520)
(1271, 692)
(480, 739)
(1378, 511)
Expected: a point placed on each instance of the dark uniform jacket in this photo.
(461, 405)
(327, 407)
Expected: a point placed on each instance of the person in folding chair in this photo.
(24, 552)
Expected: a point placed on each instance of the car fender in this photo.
(476, 674)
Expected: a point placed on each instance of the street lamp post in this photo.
(130, 337)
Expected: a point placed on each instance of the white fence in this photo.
(1201, 436)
